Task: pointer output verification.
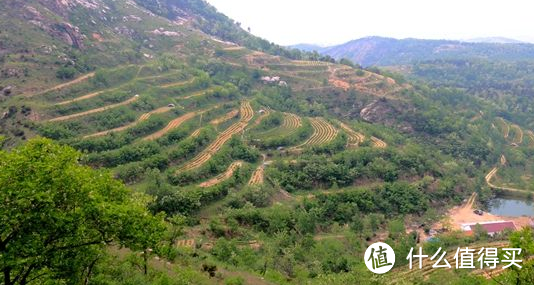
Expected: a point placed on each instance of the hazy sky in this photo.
(336, 21)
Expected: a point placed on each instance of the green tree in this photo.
(67, 72)
(57, 216)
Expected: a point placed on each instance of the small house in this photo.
(492, 228)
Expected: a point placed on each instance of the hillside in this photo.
(495, 40)
(379, 51)
(265, 165)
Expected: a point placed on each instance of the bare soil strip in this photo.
(257, 176)
(84, 97)
(142, 118)
(323, 132)
(97, 93)
(291, 121)
(490, 176)
(175, 84)
(256, 122)
(174, 124)
(246, 115)
(355, 138)
(190, 243)
(223, 176)
(378, 143)
(506, 129)
(101, 109)
(66, 84)
(228, 116)
(233, 48)
(195, 133)
(518, 137)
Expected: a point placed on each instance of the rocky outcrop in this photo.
(6, 91)
(69, 34)
(383, 111)
(64, 31)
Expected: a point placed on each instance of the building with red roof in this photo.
(491, 227)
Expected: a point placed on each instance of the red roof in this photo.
(494, 227)
(498, 227)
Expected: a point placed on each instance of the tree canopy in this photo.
(58, 216)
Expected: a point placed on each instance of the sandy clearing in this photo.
(464, 215)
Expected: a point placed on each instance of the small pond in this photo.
(511, 206)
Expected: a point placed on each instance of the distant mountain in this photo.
(307, 47)
(388, 51)
(494, 40)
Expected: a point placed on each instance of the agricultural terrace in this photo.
(257, 176)
(246, 115)
(323, 132)
(354, 138)
(223, 176)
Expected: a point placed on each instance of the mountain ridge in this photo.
(383, 51)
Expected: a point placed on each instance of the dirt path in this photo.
(506, 128)
(518, 137)
(66, 84)
(145, 116)
(174, 124)
(101, 109)
(492, 174)
(226, 117)
(142, 118)
(223, 176)
(84, 97)
(234, 48)
(174, 84)
(257, 176)
(97, 93)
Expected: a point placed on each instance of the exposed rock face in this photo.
(376, 111)
(382, 111)
(69, 34)
(7, 90)
(64, 31)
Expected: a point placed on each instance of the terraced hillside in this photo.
(246, 114)
(240, 146)
(323, 132)
(223, 176)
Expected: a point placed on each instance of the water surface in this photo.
(512, 207)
